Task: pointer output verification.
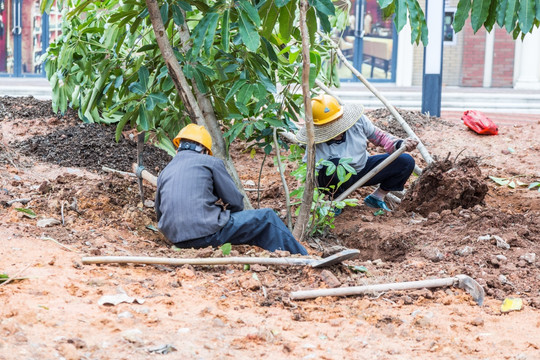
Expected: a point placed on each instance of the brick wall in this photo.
(474, 45)
(503, 59)
(452, 55)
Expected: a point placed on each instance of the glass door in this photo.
(22, 38)
(369, 43)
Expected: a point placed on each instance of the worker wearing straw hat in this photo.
(343, 132)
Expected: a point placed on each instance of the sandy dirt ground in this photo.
(59, 308)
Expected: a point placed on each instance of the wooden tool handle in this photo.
(146, 175)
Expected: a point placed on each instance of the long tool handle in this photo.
(196, 261)
(146, 175)
(425, 154)
(356, 290)
(372, 173)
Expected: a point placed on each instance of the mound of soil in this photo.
(446, 186)
(415, 119)
(90, 146)
(28, 107)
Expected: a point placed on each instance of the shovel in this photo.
(461, 281)
(316, 263)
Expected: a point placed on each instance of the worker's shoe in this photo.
(373, 202)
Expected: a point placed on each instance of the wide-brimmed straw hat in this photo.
(329, 130)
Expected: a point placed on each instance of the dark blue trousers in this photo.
(391, 178)
(261, 227)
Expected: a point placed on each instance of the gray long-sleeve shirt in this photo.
(187, 191)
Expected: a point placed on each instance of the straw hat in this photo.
(329, 130)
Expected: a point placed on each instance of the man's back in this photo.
(188, 189)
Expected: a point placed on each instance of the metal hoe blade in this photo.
(336, 258)
(472, 287)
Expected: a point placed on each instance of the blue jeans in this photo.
(391, 178)
(261, 227)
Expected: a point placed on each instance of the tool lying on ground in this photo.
(316, 263)
(461, 281)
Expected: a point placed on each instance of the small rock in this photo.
(47, 222)
(501, 243)
(217, 322)
(125, 315)
(377, 262)
(148, 203)
(477, 321)
(433, 254)
(529, 257)
(249, 183)
(330, 279)
(133, 336)
(366, 218)
(185, 273)
(494, 261)
(250, 284)
(183, 331)
(423, 320)
(467, 250)
(501, 258)
(44, 187)
(434, 216)
(258, 268)
(484, 238)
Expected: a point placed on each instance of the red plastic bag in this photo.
(479, 123)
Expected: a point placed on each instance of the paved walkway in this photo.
(500, 104)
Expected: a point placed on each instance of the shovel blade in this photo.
(336, 258)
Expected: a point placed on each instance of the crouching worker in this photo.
(344, 132)
(198, 204)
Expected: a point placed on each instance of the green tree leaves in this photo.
(516, 16)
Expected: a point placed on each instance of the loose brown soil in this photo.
(451, 221)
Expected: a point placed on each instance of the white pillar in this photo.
(405, 56)
(529, 62)
(488, 58)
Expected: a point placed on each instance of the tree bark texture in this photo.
(301, 226)
(200, 109)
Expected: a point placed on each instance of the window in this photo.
(449, 35)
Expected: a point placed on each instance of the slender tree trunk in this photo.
(175, 71)
(302, 221)
(200, 109)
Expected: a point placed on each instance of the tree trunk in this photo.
(302, 221)
(212, 123)
(200, 109)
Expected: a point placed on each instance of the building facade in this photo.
(370, 43)
(469, 60)
(25, 34)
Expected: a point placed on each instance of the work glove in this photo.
(409, 143)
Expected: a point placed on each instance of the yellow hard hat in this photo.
(326, 108)
(196, 133)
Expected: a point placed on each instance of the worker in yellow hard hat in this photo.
(343, 132)
(198, 205)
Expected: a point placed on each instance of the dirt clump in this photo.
(445, 185)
